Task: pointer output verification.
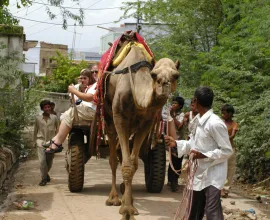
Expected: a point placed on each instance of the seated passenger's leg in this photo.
(64, 129)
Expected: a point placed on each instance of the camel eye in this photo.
(153, 75)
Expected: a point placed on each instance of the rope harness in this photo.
(190, 166)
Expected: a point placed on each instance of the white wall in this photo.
(33, 56)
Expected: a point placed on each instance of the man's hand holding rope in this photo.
(170, 142)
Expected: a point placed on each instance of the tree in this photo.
(63, 75)
(7, 18)
(192, 27)
(238, 68)
(17, 106)
(223, 44)
(64, 11)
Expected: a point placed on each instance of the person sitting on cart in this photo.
(86, 111)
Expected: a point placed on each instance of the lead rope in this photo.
(190, 166)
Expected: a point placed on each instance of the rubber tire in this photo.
(76, 168)
(155, 169)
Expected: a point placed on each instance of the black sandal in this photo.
(43, 182)
(58, 148)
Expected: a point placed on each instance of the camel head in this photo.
(165, 74)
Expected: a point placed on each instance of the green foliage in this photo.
(238, 68)
(17, 106)
(65, 73)
(7, 18)
(65, 12)
(223, 44)
(20, 3)
(11, 30)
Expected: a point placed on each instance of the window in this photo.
(43, 62)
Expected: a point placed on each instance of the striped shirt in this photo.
(211, 139)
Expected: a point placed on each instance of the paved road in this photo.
(55, 202)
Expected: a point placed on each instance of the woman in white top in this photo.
(86, 111)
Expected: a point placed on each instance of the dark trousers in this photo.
(206, 201)
(177, 163)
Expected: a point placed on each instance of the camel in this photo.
(132, 100)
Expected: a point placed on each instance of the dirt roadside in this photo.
(55, 202)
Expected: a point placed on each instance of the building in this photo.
(148, 31)
(87, 56)
(47, 51)
(42, 55)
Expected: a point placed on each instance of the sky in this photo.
(87, 37)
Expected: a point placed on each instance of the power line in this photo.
(90, 9)
(33, 10)
(60, 13)
(69, 25)
(41, 30)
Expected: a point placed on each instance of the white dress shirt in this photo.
(211, 139)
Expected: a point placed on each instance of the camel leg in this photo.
(138, 140)
(113, 196)
(122, 127)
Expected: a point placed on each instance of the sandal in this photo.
(58, 148)
(43, 182)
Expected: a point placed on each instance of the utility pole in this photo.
(73, 43)
(138, 26)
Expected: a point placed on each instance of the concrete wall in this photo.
(12, 44)
(8, 157)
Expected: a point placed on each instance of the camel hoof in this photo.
(109, 202)
(122, 188)
(128, 210)
(128, 217)
(113, 202)
(136, 211)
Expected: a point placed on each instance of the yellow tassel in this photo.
(117, 60)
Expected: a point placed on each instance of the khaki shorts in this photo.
(85, 113)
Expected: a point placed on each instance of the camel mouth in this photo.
(163, 96)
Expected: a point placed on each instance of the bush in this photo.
(17, 106)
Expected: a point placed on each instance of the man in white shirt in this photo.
(211, 147)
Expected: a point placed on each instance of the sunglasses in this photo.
(94, 71)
